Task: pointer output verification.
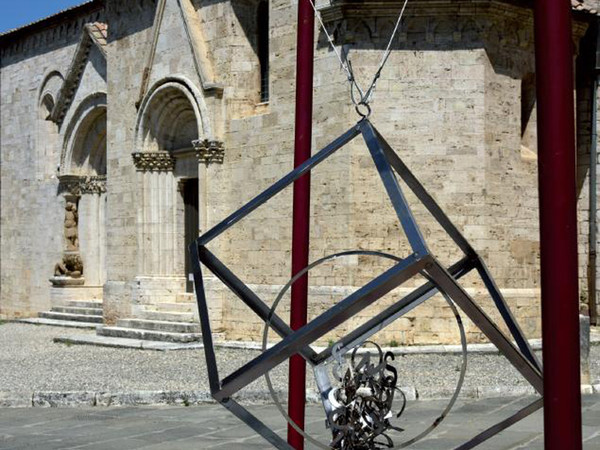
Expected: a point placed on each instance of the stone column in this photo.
(155, 213)
(92, 228)
(208, 152)
(157, 224)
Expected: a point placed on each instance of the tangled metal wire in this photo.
(362, 404)
(384, 359)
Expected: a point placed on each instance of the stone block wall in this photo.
(449, 102)
(32, 212)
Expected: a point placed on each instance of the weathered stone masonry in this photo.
(124, 104)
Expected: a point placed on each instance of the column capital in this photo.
(209, 151)
(77, 185)
(161, 161)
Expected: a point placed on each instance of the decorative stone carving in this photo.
(153, 161)
(92, 184)
(209, 151)
(69, 269)
(79, 185)
(71, 266)
(71, 222)
(68, 184)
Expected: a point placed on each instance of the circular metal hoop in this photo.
(463, 340)
(363, 109)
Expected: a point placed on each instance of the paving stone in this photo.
(212, 427)
(15, 399)
(56, 399)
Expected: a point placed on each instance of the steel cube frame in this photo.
(390, 167)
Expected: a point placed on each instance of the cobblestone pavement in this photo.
(31, 362)
(212, 427)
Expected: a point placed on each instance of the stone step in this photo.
(169, 316)
(149, 335)
(185, 297)
(159, 325)
(81, 304)
(78, 310)
(175, 307)
(60, 323)
(118, 342)
(70, 317)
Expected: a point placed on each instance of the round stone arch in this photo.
(167, 115)
(48, 90)
(84, 146)
(47, 136)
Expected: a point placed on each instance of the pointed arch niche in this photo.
(82, 176)
(171, 179)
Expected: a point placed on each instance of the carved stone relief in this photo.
(153, 161)
(209, 151)
(70, 227)
(69, 270)
(80, 185)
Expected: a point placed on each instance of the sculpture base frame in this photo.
(390, 167)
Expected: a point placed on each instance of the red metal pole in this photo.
(558, 224)
(301, 212)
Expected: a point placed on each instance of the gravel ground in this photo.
(31, 361)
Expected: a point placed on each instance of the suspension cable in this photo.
(345, 63)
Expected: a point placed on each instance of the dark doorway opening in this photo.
(190, 202)
(262, 26)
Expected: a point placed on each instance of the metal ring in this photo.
(320, 261)
(360, 111)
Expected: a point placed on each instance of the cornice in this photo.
(67, 91)
(336, 10)
(344, 18)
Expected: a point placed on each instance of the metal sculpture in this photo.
(325, 382)
(362, 406)
(421, 261)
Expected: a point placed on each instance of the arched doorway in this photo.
(82, 175)
(168, 172)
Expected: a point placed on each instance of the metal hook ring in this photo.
(360, 109)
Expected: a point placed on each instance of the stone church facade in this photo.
(130, 127)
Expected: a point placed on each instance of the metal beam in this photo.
(342, 311)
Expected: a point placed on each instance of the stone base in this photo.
(64, 281)
(150, 290)
(62, 294)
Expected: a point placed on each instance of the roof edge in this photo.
(55, 19)
(74, 73)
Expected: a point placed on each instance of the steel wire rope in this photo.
(463, 341)
(365, 96)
